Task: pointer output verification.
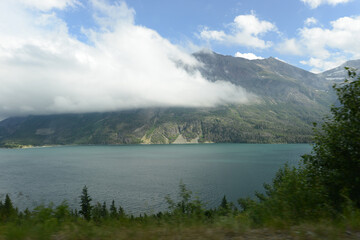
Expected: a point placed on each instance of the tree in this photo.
(335, 160)
(225, 207)
(8, 207)
(104, 211)
(186, 206)
(113, 210)
(96, 212)
(121, 213)
(224, 203)
(85, 206)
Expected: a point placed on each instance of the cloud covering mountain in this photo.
(65, 56)
(120, 65)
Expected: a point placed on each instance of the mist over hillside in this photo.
(285, 101)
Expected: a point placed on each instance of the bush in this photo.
(291, 198)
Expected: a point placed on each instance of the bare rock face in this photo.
(171, 132)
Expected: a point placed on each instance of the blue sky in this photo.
(70, 56)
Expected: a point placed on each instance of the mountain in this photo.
(270, 78)
(289, 100)
(338, 74)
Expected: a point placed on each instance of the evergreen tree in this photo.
(224, 203)
(225, 207)
(8, 208)
(85, 206)
(96, 212)
(121, 212)
(104, 211)
(113, 210)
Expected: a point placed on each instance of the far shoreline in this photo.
(19, 146)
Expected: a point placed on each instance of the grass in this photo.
(224, 228)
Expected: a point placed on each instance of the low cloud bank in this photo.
(45, 70)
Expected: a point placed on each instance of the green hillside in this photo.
(255, 123)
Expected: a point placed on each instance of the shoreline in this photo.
(18, 146)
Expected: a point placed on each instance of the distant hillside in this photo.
(338, 74)
(269, 78)
(289, 100)
(252, 73)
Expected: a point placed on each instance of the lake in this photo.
(138, 177)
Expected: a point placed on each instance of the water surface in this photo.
(138, 177)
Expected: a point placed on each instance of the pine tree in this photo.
(104, 211)
(96, 212)
(85, 206)
(113, 210)
(121, 212)
(225, 207)
(224, 203)
(8, 208)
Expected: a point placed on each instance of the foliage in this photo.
(7, 209)
(291, 198)
(86, 207)
(113, 210)
(327, 184)
(335, 160)
(186, 206)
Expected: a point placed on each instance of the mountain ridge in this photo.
(338, 74)
(291, 99)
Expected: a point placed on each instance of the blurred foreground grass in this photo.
(224, 228)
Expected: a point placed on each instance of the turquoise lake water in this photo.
(138, 177)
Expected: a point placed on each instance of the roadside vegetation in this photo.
(319, 199)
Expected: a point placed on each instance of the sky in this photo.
(70, 56)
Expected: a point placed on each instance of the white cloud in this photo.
(310, 21)
(290, 46)
(46, 5)
(251, 25)
(246, 30)
(316, 3)
(319, 65)
(106, 15)
(249, 56)
(326, 46)
(45, 70)
(212, 35)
